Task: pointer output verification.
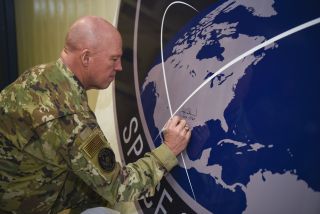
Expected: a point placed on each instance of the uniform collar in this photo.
(70, 74)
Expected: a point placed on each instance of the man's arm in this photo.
(90, 157)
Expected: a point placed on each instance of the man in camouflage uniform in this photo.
(53, 154)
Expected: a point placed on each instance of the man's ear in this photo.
(85, 56)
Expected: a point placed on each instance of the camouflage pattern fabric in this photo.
(53, 154)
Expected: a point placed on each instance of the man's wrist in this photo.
(165, 156)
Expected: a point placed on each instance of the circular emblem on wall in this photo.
(229, 69)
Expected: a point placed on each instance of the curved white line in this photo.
(161, 44)
(165, 79)
(251, 51)
(180, 191)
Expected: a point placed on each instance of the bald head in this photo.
(92, 51)
(88, 32)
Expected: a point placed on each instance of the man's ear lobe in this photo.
(85, 56)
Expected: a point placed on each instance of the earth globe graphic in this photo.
(246, 76)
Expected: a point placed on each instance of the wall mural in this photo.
(245, 74)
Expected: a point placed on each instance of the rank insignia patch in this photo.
(106, 159)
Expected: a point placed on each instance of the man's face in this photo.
(104, 64)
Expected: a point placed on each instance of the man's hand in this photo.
(176, 134)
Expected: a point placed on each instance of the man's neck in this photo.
(68, 60)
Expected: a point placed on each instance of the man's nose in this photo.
(118, 66)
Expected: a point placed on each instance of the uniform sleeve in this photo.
(88, 154)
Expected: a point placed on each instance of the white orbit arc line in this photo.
(249, 52)
(165, 79)
(161, 48)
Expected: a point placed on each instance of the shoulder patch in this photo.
(106, 159)
(93, 144)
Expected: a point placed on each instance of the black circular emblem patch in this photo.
(106, 159)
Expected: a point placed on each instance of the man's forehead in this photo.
(114, 52)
